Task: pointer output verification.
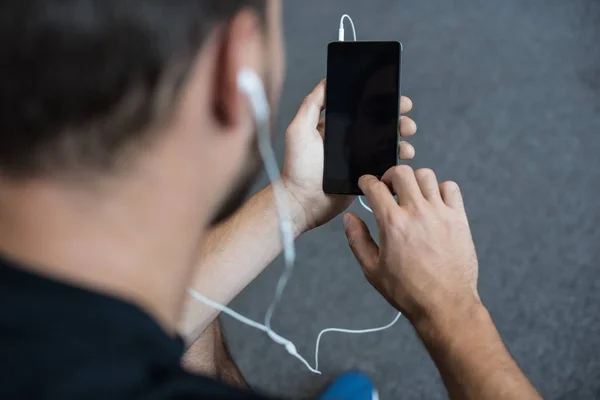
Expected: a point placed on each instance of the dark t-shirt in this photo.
(61, 342)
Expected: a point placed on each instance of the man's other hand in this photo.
(304, 160)
(425, 265)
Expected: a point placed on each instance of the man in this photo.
(124, 139)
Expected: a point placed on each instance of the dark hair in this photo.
(82, 80)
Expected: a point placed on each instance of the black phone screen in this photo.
(362, 111)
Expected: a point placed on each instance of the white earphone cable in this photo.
(359, 332)
(251, 84)
(365, 206)
(341, 33)
(290, 347)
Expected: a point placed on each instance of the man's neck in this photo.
(120, 246)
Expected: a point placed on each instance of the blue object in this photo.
(351, 386)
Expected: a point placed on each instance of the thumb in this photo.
(361, 242)
(310, 110)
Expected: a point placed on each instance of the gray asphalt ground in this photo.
(507, 98)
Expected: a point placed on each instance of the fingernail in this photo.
(346, 221)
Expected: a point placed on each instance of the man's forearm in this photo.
(471, 357)
(233, 255)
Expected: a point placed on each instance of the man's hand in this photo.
(426, 264)
(427, 268)
(304, 160)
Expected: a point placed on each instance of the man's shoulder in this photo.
(62, 342)
(38, 373)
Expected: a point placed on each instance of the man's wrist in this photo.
(298, 213)
(445, 327)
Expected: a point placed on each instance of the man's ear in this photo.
(242, 46)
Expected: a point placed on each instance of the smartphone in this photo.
(362, 113)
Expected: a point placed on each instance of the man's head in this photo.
(95, 90)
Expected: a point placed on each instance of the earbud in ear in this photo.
(251, 85)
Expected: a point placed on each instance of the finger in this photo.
(452, 196)
(406, 105)
(310, 109)
(402, 179)
(379, 196)
(406, 151)
(429, 185)
(407, 127)
(361, 242)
